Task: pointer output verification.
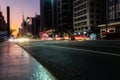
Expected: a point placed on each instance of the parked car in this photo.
(3, 37)
(112, 36)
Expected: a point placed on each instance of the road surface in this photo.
(78, 60)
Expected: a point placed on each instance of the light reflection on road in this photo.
(17, 64)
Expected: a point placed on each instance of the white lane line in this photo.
(103, 46)
(100, 52)
(84, 50)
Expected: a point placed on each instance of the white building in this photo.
(87, 14)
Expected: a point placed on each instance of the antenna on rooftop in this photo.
(35, 13)
(0, 8)
(23, 15)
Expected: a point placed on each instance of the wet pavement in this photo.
(17, 64)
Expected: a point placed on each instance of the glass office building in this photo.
(48, 14)
(64, 15)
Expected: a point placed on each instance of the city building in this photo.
(87, 14)
(3, 25)
(113, 18)
(30, 25)
(48, 14)
(36, 25)
(22, 30)
(8, 21)
(64, 15)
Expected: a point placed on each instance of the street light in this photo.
(52, 4)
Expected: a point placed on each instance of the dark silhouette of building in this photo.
(113, 18)
(23, 29)
(48, 14)
(36, 25)
(65, 15)
(8, 21)
(30, 25)
(3, 26)
(33, 25)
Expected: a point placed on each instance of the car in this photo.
(112, 36)
(3, 36)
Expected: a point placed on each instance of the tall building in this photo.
(30, 25)
(65, 15)
(33, 25)
(8, 21)
(87, 14)
(36, 25)
(3, 26)
(23, 29)
(48, 14)
(113, 18)
(113, 9)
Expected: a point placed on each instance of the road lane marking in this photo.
(100, 52)
(102, 46)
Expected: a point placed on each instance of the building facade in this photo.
(48, 14)
(36, 25)
(30, 25)
(113, 9)
(3, 27)
(113, 18)
(87, 14)
(65, 15)
(2, 22)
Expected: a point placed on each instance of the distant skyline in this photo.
(17, 7)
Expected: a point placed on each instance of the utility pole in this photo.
(52, 4)
(106, 17)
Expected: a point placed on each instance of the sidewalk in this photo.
(17, 64)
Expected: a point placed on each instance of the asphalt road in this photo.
(78, 60)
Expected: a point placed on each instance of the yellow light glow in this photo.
(22, 40)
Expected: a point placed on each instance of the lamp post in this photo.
(52, 4)
(106, 20)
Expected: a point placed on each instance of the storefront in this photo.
(109, 28)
